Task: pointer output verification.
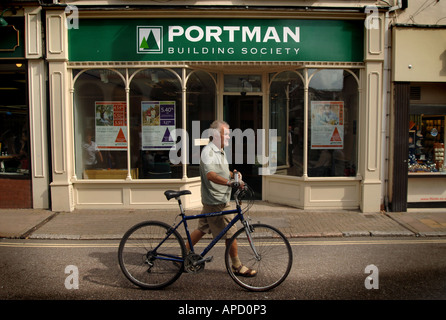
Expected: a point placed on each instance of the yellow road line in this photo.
(366, 242)
(57, 245)
(293, 242)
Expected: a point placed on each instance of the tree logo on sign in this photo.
(149, 39)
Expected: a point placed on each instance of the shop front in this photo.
(132, 95)
(420, 108)
(23, 167)
(15, 180)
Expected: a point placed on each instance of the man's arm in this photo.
(215, 178)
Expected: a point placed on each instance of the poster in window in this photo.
(111, 125)
(327, 125)
(158, 122)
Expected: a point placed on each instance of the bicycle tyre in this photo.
(135, 255)
(276, 257)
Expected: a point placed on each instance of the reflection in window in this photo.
(426, 139)
(333, 116)
(100, 125)
(155, 111)
(243, 83)
(287, 117)
(200, 109)
(14, 133)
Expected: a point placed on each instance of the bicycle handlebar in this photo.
(240, 189)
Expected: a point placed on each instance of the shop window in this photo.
(243, 83)
(332, 119)
(200, 112)
(287, 117)
(100, 120)
(14, 133)
(100, 125)
(155, 112)
(426, 140)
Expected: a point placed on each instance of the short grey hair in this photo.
(215, 128)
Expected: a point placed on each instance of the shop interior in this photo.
(14, 129)
(426, 140)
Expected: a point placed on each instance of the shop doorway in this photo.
(244, 112)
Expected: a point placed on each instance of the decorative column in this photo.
(370, 141)
(60, 112)
(37, 108)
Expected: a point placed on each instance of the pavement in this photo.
(82, 224)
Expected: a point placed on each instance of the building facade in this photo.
(133, 86)
(418, 108)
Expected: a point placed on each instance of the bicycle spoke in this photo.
(275, 258)
(145, 266)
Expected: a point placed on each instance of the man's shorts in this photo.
(215, 225)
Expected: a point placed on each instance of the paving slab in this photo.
(18, 223)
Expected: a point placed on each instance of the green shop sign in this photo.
(12, 39)
(216, 40)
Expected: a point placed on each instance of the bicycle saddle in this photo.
(175, 194)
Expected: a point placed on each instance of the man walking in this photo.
(216, 192)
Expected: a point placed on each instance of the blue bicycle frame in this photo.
(185, 218)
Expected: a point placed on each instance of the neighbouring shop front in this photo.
(132, 97)
(15, 178)
(24, 161)
(419, 179)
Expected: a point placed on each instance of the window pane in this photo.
(243, 83)
(426, 139)
(201, 106)
(155, 111)
(14, 133)
(100, 125)
(287, 117)
(333, 116)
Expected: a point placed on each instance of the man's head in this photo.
(219, 133)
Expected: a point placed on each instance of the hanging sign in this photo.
(111, 125)
(158, 121)
(12, 38)
(327, 124)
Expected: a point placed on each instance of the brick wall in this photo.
(15, 193)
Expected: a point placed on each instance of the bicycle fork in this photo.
(248, 230)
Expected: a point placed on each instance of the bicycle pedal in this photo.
(207, 259)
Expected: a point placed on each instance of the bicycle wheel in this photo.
(272, 262)
(145, 267)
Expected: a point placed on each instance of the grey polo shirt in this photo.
(214, 160)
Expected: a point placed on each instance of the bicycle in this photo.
(152, 254)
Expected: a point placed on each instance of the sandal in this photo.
(248, 273)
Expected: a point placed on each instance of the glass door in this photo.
(244, 112)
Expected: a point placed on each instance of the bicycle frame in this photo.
(184, 218)
(152, 254)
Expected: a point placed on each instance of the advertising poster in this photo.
(327, 124)
(158, 121)
(111, 125)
